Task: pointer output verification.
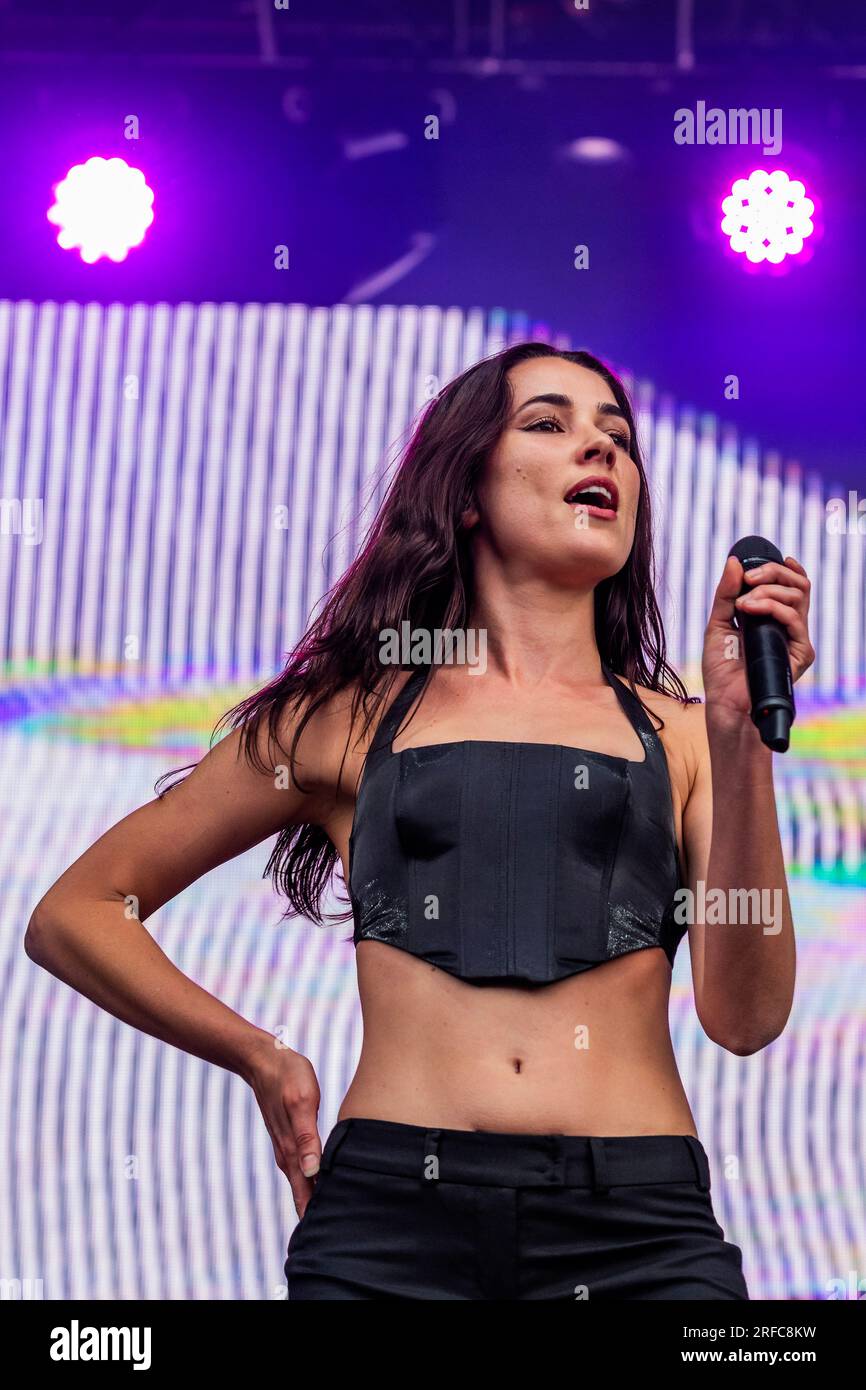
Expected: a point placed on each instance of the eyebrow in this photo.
(566, 403)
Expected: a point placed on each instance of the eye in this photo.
(619, 438)
(545, 420)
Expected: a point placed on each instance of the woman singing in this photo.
(516, 834)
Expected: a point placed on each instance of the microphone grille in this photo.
(755, 550)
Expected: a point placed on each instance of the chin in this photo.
(599, 542)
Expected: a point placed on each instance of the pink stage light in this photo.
(767, 216)
(103, 208)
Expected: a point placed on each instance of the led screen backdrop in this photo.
(179, 486)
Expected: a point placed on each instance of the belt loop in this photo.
(430, 1157)
(700, 1160)
(333, 1142)
(599, 1165)
(558, 1160)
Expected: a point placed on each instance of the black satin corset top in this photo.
(502, 861)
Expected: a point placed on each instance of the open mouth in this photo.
(599, 496)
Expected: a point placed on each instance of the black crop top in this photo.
(523, 862)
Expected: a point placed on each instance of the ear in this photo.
(470, 517)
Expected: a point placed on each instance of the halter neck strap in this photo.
(397, 709)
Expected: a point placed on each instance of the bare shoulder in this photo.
(684, 734)
(334, 740)
(317, 736)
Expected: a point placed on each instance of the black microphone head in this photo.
(752, 551)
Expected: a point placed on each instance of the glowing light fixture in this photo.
(596, 149)
(767, 216)
(103, 208)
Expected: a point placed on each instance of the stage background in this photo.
(179, 485)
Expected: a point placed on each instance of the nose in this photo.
(598, 447)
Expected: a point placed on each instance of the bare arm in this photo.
(743, 969)
(744, 956)
(87, 929)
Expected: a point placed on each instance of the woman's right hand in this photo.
(285, 1086)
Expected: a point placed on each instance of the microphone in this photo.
(765, 650)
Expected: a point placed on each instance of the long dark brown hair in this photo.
(415, 565)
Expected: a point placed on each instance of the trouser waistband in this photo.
(488, 1158)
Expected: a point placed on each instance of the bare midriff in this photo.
(588, 1055)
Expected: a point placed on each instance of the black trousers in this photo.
(400, 1211)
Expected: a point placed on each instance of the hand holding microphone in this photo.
(768, 601)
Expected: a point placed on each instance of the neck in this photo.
(536, 634)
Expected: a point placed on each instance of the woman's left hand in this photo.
(781, 591)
